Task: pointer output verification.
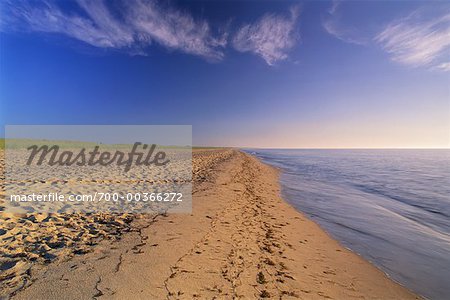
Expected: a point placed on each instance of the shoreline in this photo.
(242, 240)
(279, 170)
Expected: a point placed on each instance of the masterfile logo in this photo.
(96, 157)
(100, 168)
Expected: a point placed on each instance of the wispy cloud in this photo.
(47, 17)
(175, 29)
(132, 28)
(133, 25)
(271, 37)
(336, 29)
(418, 40)
(443, 66)
(333, 24)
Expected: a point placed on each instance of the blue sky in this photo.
(244, 73)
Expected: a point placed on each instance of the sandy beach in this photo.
(221, 149)
(242, 241)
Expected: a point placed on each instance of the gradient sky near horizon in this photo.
(278, 74)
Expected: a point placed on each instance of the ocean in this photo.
(390, 206)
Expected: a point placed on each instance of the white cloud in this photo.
(270, 37)
(47, 17)
(174, 29)
(418, 41)
(334, 6)
(133, 25)
(443, 66)
(335, 28)
(332, 23)
(139, 23)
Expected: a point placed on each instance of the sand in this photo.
(241, 241)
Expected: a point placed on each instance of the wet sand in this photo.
(241, 241)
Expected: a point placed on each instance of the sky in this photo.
(273, 74)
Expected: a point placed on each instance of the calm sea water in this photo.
(390, 206)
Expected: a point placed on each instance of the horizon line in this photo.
(330, 148)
